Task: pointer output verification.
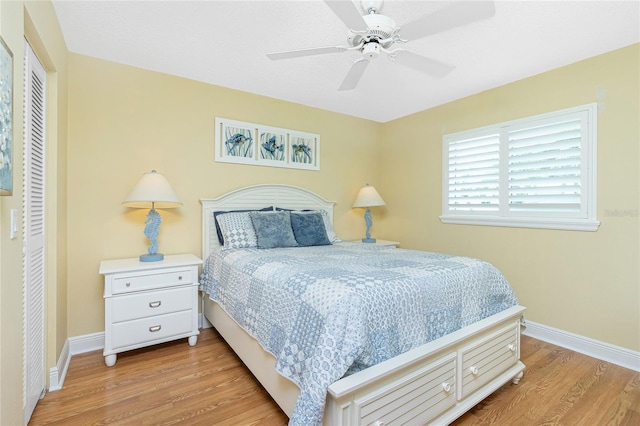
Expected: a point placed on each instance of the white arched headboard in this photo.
(257, 197)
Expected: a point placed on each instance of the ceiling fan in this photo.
(374, 33)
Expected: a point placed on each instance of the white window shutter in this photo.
(474, 174)
(536, 172)
(545, 168)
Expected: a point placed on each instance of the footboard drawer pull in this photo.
(155, 304)
(486, 358)
(425, 393)
(155, 328)
(379, 423)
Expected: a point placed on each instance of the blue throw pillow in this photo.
(216, 214)
(309, 229)
(328, 226)
(273, 229)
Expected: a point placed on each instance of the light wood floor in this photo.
(174, 383)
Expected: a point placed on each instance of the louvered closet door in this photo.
(33, 232)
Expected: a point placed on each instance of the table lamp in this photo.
(368, 197)
(152, 191)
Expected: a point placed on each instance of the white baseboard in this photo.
(593, 348)
(58, 373)
(86, 343)
(73, 346)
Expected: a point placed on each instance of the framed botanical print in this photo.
(304, 151)
(235, 142)
(256, 144)
(6, 119)
(272, 149)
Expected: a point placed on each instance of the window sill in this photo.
(590, 225)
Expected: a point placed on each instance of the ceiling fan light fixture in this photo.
(354, 39)
(371, 50)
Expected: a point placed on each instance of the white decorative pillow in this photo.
(328, 226)
(237, 230)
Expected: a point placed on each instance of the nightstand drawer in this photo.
(130, 283)
(149, 329)
(486, 359)
(148, 304)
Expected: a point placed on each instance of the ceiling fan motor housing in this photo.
(380, 27)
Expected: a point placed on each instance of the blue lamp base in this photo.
(151, 257)
(368, 240)
(151, 231)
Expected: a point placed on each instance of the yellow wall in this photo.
(125, 121)
(587, 283)
(36, 21)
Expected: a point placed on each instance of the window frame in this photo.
(586, 220)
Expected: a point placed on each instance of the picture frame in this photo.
(235, 142)
(304, 151)
(272, 149)
(256, 144)
(6, 119)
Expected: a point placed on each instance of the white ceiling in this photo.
(225, 42)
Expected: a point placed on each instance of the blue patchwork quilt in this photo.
(328, 311)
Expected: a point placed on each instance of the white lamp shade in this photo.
(152, 189)
(368, 197)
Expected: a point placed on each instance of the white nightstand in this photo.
(381, 243)
(146, 303)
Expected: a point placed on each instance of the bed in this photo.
(434, 382)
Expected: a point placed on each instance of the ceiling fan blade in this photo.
(306, 52)
(421, 63)
(354, 75)
(348, 13)
(460, 13)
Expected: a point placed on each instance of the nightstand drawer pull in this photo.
(139, 281)
(148, 304)
(155, 328)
